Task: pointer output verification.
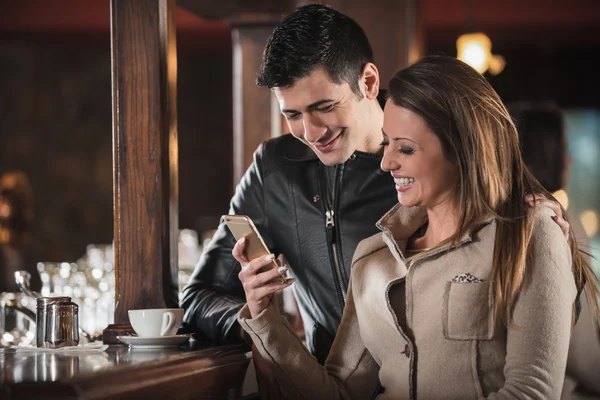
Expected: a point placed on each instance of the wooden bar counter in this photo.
(190, 371)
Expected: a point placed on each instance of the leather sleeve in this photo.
(214, 294)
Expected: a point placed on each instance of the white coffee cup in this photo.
(156, 322)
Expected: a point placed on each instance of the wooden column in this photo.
(256, 116)
(144, 79)
(395, 30)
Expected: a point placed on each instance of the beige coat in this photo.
(409, 326)
(582, 381)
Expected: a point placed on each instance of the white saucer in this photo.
(154, 342)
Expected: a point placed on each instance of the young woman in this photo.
(467, 292)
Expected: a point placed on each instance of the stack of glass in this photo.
(90, 282)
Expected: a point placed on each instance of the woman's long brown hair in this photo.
(479, 136)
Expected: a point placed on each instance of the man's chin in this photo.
(332, 158)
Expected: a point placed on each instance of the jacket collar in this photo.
(300, 152)
(400, 223)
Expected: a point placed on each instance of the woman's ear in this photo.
(369, 81)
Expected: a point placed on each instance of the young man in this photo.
(312, 199)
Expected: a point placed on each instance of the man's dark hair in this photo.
(315, 36)
(543, 141)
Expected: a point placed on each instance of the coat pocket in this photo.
(467, 311)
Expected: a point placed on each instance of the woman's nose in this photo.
(388, 163)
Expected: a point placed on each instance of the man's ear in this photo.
(369, 81)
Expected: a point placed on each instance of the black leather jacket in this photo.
(312, 214)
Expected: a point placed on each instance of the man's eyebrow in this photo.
(310, 107)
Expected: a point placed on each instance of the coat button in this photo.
(407, 351)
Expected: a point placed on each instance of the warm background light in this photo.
(497, 64)
(476, 50)
(589, 220)
(562, 198)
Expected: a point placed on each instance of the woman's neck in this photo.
(442, 224)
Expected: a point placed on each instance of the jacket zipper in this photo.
(330, 225)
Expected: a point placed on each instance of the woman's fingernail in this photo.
(242, 240)
(270, 257)
(282, 270)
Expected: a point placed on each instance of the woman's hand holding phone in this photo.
(259, 286)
